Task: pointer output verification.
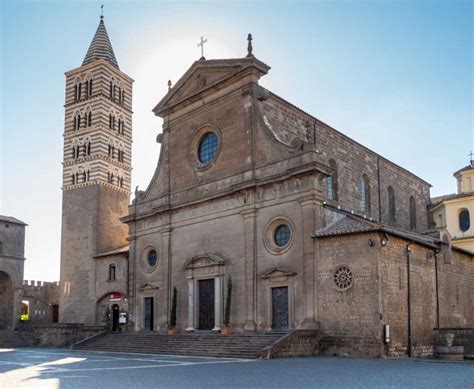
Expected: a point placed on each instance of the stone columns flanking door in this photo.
(217, 304)
(190, 326)
(204, 267)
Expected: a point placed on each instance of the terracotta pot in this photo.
(226, 331)
(172, 331)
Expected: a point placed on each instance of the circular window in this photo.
(343, 278)
(208, 148)
(152, 258)
(279, 235)
(282, 235)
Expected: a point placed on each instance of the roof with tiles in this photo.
(346, 225)
(436, 200)
(13, 220)
(353, 224)
(100, 47)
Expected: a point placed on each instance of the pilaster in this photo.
(250, 217)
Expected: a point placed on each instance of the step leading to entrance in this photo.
(246, 345)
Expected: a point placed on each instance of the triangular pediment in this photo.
(277, 272)
(204, 76)
(148, 286)
(204, 260)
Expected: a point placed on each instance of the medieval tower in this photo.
(96, 173)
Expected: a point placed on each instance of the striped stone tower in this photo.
(96, 173)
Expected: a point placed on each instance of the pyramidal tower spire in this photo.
(100, 47)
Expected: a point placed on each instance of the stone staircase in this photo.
(246, 345)
(15, 339)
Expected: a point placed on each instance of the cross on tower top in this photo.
(102, 11)
(201, 43)
(471, 154)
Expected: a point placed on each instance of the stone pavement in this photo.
(62, 368)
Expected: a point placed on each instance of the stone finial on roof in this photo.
(249, 45)
(100, 47)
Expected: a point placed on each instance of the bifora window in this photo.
(208, 148)
(152, 258)
(282, 235)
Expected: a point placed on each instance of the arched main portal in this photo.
(6, 302)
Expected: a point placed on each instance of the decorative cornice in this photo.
(95, 182)
(85, 68)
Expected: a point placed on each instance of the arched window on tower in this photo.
(89, 119)
(90, 87)
(391, 204)
(89, 148)
(412, 213)
(332, 181)
(110, 120)
(77, 151)
(464, 220)
(112, 272)
(88, 175)
(111, 90)
(73, 179)
(365, 194)
(87, 88)
(77, 178)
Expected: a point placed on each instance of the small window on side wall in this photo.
(112, 272)
(412, 213)
(391, 203)
(332, 181)
(464, 220)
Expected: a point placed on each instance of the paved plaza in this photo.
(62, 368)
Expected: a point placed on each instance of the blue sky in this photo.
(396, 76)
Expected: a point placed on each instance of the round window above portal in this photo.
(208, 148)
(278, 235)
(152, 258)
(282, 235)
(149, 259)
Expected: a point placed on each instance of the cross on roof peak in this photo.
(201, 44)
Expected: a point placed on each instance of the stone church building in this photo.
(317, 231)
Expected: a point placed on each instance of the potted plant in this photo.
(226, 328)
(172, 325)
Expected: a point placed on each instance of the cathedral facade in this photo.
(316, 231)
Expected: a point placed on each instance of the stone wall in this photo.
(350, 322)
(60, 335)
(353, 160)
(12, 262)
(300, 343)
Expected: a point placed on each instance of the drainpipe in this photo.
(408, 250)
(436, 252)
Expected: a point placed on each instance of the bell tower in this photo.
(96, 173)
